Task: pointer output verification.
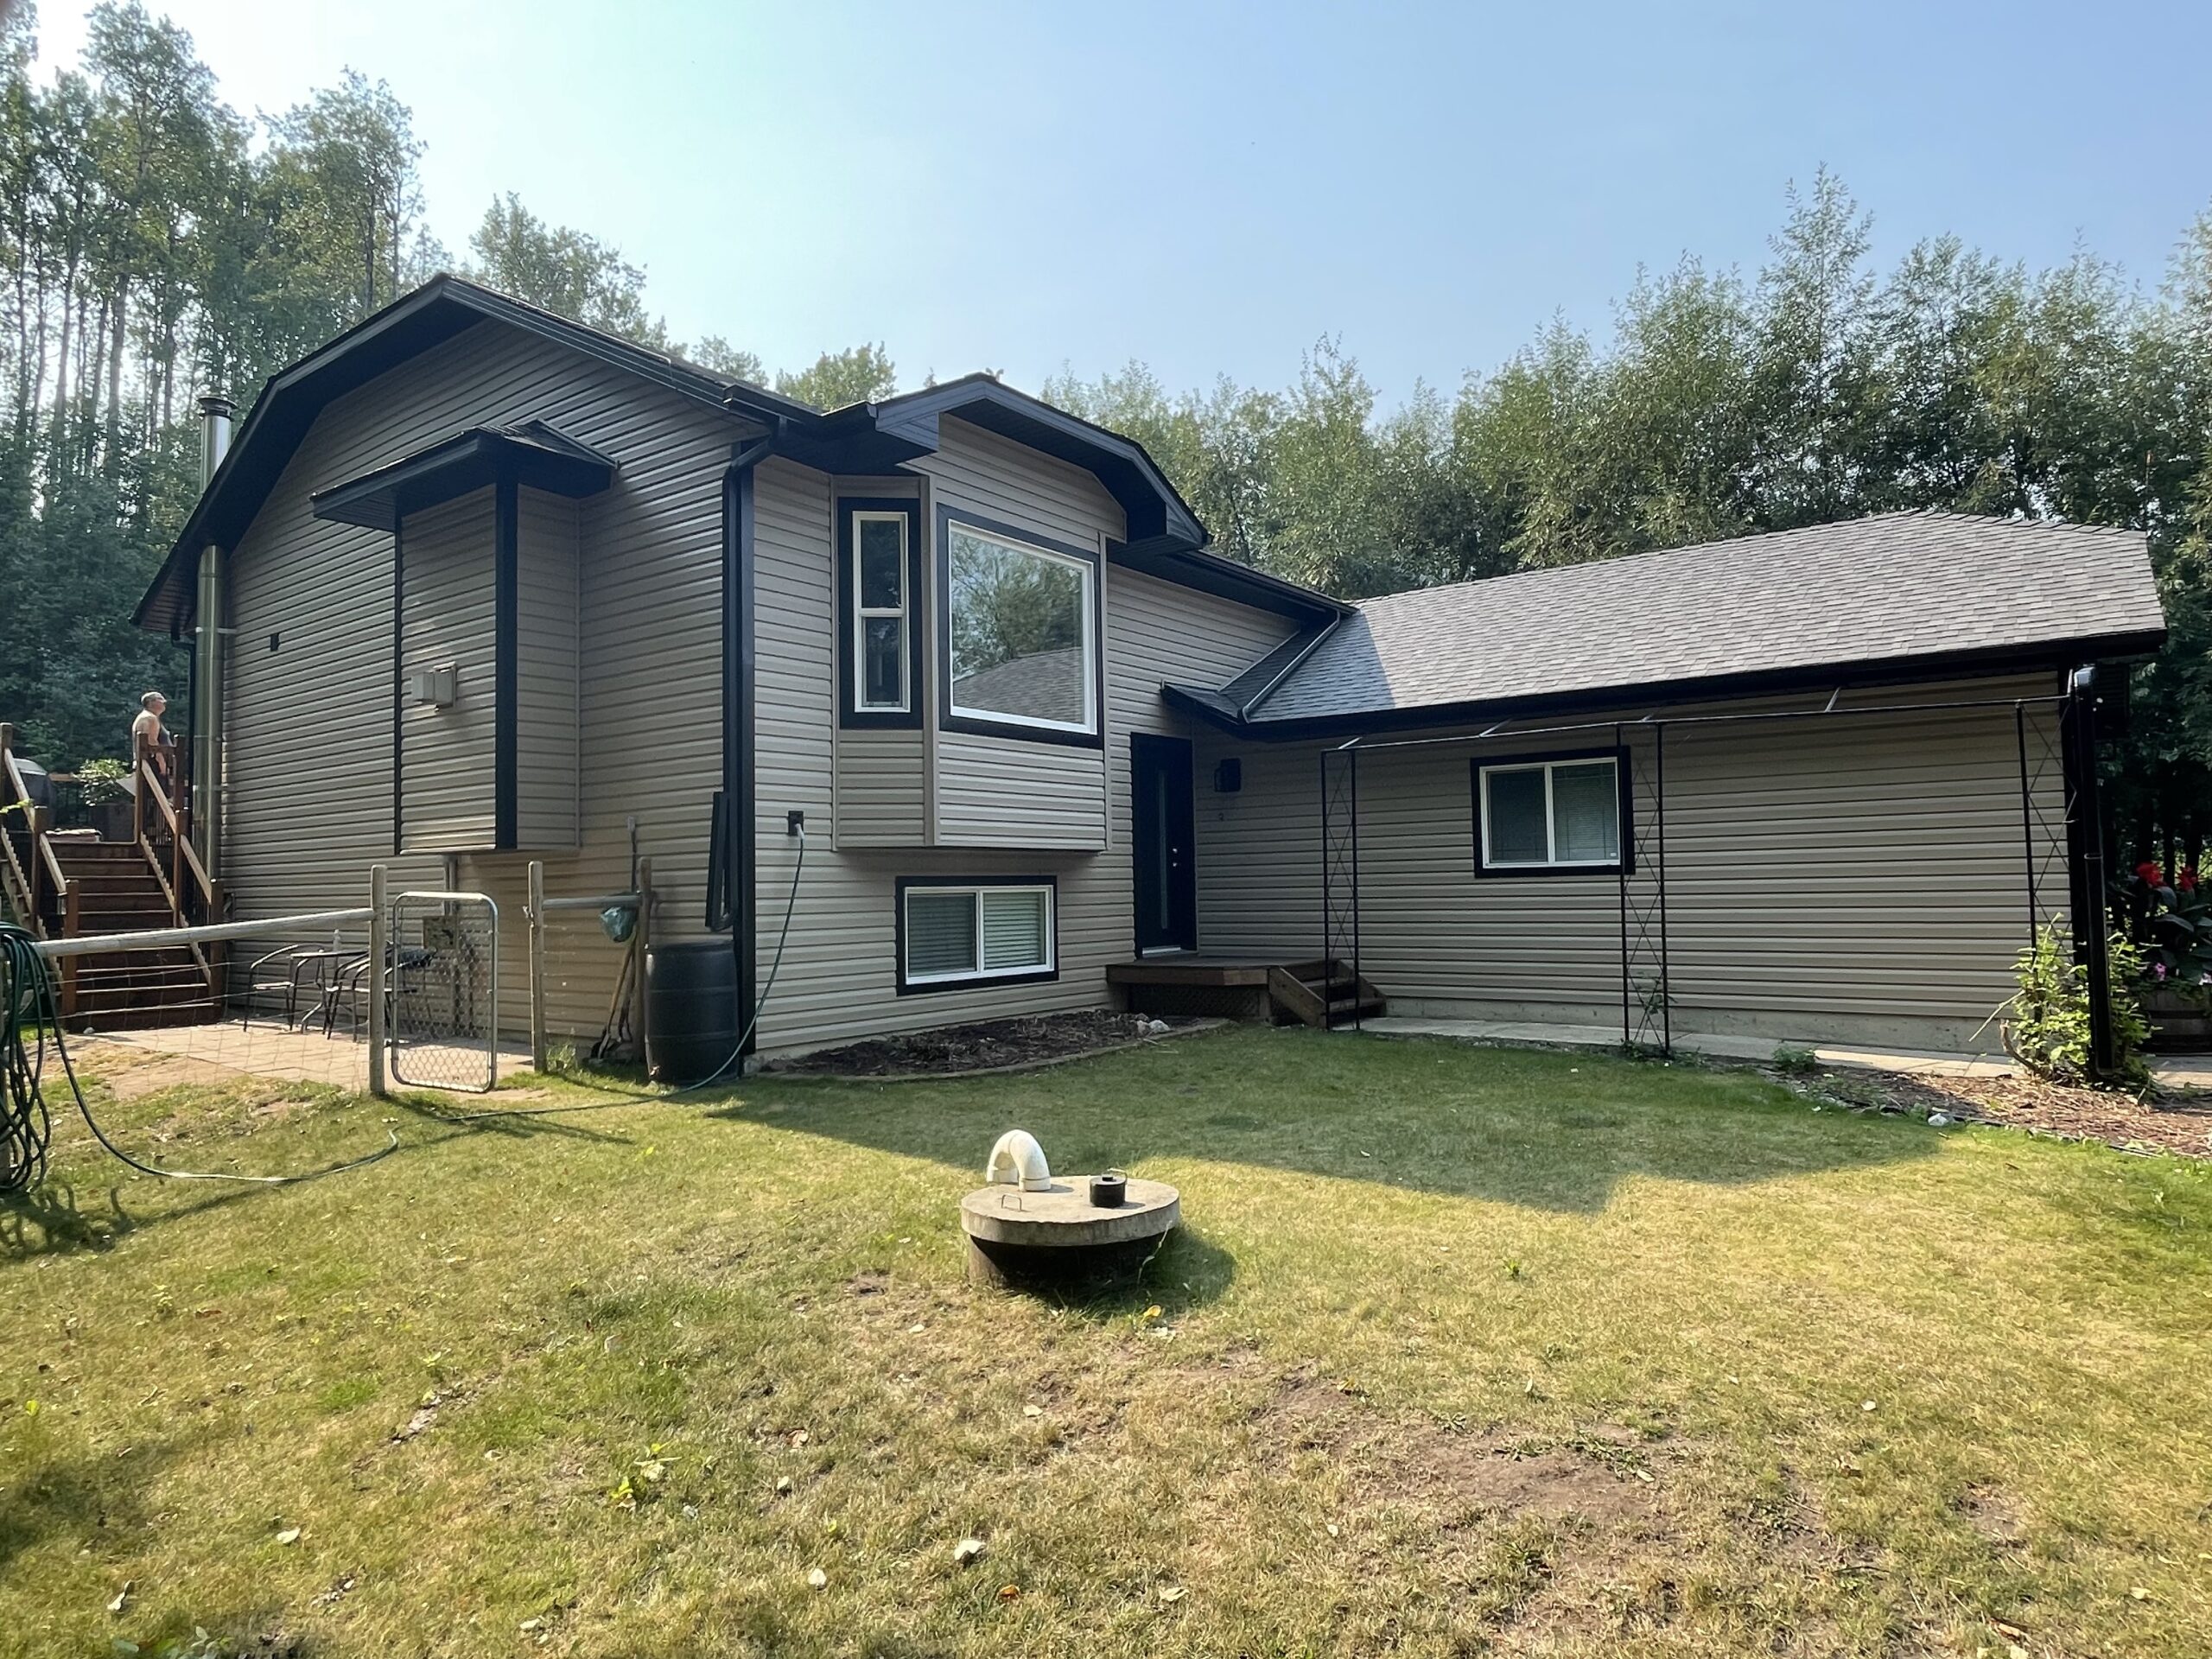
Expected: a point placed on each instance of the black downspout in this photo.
(506, 582)
(2085, 858)
(739, 664)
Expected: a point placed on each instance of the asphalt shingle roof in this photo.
(1887, 588)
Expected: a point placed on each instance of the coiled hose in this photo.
(28, 1011)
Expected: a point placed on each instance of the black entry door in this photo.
(1166, 867)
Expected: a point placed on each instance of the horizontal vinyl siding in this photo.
(1861, 877)
(882, 799)
(308, 772)
(1001, 791)
(548, 678)
(839, 976)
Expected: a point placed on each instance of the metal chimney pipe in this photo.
(215, 435)
(208, 658)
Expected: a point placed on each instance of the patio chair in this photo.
(348, 987)
(279, 977)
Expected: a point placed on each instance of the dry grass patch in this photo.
(1461, 1351)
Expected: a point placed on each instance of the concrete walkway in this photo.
(2168, 1071)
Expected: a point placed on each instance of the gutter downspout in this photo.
(208, 658)
(739, 663)
(2085, 849)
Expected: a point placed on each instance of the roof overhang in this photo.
(2054, 657)
(1164, 537)
(533, 454)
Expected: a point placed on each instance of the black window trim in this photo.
(1624, 865)
(850, 715)
(1095, 738)
(963, 883)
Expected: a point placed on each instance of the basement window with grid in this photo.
(1554, 816)
(960, 933)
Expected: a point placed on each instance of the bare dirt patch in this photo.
(2176, 1124)
(133, 1073)
(1601, 1477)
(986, 1046)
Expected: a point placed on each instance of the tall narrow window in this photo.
(879, 597)
(879, 618)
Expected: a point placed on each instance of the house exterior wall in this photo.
(984, 805)
(548, 683)
(1858, 878)
(308, 768)
(446, 607)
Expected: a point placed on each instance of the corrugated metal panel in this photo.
(310, 803)
(1857, 878)
(839, 977)
(548, 683)
(446, 770)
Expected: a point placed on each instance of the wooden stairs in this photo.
(66, 885)
(1323, 993)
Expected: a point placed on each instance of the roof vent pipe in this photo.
(215, 435)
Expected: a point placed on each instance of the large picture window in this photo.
(879, 595)
(1021, 630)
(1559, 814)
(956, 933)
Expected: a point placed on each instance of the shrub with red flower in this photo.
(2172, 921)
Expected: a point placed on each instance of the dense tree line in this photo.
(153, 242)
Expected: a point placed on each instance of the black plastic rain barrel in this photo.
(691, 1022)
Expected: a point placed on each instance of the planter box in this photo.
(2179, 1021)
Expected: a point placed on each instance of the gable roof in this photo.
(1166, 539)
(1895, 595)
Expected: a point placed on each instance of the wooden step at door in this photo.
(1323, 994)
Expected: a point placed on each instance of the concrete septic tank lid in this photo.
(1064, 1217)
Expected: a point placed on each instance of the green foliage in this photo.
(102, 779)
(2048, 1029)
(564, 270)
(864, 374)
(1794, 1060)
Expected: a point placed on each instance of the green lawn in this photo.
(1460, 1350)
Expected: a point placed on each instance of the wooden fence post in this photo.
(534, 913)
(379, 929)
(640, 939)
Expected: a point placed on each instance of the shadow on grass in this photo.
(95, 1495)
(1548, 1129)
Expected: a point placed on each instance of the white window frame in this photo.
(1551, 860)
(1088, 571)
(974, 891)
(862, 613)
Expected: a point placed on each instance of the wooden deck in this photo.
(1307, 988)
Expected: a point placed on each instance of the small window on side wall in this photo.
(1551, 815)
(879, 593)
(954, 931)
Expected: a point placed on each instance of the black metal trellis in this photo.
(1646, 989)
(2062, 840)
(1340, 869)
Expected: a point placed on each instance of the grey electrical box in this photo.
(436, 686)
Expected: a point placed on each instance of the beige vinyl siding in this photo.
(1857, 878)
(882, 800)
(548, 681)
(308, 772)
(839, 978)
(1003, 792)
(447, 773)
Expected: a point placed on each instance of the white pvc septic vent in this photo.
(1018, 1160)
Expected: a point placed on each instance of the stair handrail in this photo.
(44, 861)
(176, 816)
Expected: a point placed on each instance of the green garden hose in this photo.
(28, 1012)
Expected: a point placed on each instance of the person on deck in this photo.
(147, 737)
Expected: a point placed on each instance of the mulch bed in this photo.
(986, 1046)
(2177, 1124)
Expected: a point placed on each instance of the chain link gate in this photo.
(443, 956)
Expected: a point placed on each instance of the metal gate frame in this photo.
(393, 970)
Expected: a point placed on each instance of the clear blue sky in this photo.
(1210, 187)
